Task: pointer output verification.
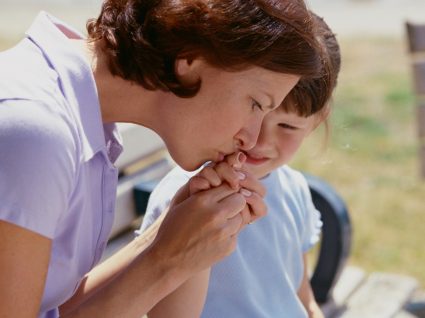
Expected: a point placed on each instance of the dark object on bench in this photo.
(336, 235)
(336, 238)
(141, 192)
(416, 42)
(416, 36)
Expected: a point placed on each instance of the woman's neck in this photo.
(120, 100)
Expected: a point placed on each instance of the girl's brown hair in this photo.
(312, 95)
(142, 39)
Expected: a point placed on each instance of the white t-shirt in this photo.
(262, 277)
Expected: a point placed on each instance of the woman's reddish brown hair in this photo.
(142, 39)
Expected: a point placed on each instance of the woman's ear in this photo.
(187, 70)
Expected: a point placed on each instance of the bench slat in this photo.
(349, 281)
(138, 142)
(382, 296)
(419, 77)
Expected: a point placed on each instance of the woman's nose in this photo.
(247, 137)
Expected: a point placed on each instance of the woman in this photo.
(181, 68)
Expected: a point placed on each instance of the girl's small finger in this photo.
(236, 160)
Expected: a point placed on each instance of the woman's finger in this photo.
(229, 174)
(197, 183)
(256, 205)
(252, 184)
(211, 175)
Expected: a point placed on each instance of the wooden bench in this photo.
(416, 43)
(340, 290)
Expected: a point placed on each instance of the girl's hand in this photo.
(316, 312)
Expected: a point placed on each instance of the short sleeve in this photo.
(36, 166)
(312, 225)
(162, 194)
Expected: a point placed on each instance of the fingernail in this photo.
(245, 192)
(241, 175)
(240, 159)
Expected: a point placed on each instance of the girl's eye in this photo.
(286, 126)
(256, 104)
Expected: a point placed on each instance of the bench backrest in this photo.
(416, 44)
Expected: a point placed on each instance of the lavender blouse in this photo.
(57, 176)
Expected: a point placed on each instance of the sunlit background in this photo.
(371, 155)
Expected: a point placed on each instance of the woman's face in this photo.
(224, 116)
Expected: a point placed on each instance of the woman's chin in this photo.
(188, 163)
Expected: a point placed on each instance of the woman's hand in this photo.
(201, 230)
(231, 171)
(211, 176)
(207, 213)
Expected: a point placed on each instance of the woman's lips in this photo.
(220, 157)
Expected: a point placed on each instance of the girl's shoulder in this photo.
(289, 178)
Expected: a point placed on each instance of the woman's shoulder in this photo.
(37, 165)
(32, 135)
(26, 74)
(28, 120)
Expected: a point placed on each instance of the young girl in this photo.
(266, 276)
(181, 68)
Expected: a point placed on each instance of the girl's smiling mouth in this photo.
(255, 159)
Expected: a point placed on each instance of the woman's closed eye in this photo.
(255, 104)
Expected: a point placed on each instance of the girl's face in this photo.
(224, 116)
(281, 135)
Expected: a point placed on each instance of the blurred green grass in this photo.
(371, 156)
